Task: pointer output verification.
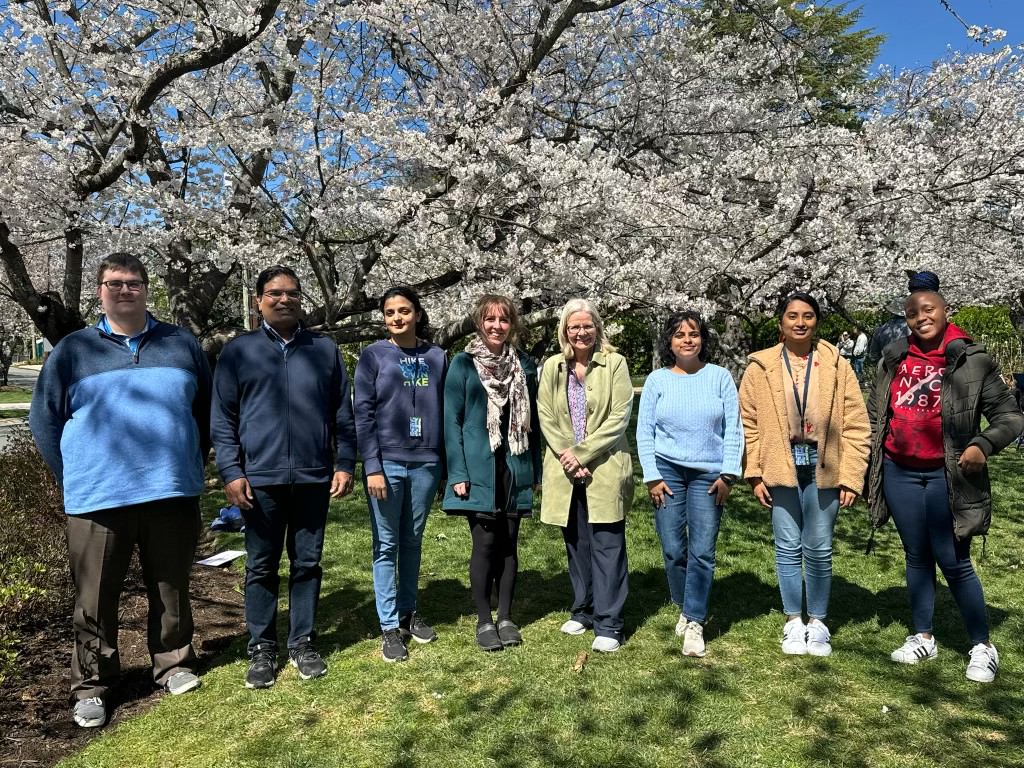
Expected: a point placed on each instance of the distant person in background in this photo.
(845, 346)
(399, 406)
(891, 330)
(584, 403)
(929, 469)
(860, 350)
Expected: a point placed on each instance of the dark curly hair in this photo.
(675, 320)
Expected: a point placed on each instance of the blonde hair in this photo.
(488, 300)
(571, 307)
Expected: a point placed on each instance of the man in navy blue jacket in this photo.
(120, 414)
(285, 441)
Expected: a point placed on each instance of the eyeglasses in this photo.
(277, 294)
(132, 285)
(576, 329)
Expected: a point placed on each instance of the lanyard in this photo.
(801, 407)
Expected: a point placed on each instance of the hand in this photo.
(569, 462)
(377, 486)
(581, 474)
(761, 492)
(846, 497)
(461, 490)
(657, 489)
(239, 493)
(341, 484)
(972, 459)
(721, 490)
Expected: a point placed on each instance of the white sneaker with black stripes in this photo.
(984, 663)
(916, 648)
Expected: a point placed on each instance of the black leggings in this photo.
(494, 560)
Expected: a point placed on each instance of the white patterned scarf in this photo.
(504, 382)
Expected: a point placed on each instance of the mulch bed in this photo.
(36, 728)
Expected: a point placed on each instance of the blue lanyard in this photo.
(801, 407)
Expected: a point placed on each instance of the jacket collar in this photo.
(598, 358)
(771, 358)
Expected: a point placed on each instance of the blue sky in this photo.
(919, 31)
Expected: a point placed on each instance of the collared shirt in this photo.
(282, 342)
(132, 342)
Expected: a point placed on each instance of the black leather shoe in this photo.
(508, 633)
(487, 638)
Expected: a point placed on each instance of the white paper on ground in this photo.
(221, 558)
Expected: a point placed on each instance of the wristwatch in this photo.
(729, 480)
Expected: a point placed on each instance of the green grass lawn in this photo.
(15, 395)
(744, 705)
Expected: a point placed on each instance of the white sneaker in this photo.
(681, 626)
(605, 644)
(916, 648)
(693, 639)
(794, 638)
(818, 638)
(573, 627)
(984, 663)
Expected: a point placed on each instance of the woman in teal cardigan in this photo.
(492, 446)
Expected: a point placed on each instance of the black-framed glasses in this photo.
(277, 294)
(132, 285)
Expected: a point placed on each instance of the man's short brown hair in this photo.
(123, 261)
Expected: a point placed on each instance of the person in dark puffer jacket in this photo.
(929, 464)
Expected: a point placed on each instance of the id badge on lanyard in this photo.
(801, 451)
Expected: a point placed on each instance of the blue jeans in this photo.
(687, 524)
(292, 517)
(918, 500)
(858, 367)
(803, 519)
(398, 523)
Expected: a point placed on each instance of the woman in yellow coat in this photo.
(584, 401)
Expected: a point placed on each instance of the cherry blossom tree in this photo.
(631, 151)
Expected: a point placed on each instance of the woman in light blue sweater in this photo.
(690, 440)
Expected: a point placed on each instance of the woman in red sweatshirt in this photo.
(928, 466)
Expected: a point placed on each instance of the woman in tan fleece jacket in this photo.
(807, 439)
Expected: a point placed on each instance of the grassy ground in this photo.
(15, 395)
(744, 705)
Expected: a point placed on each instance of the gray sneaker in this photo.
(182, 682)
(392, 647)
(90, 713)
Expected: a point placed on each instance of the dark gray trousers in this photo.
(100, 546)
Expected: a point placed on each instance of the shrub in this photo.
(35, 583)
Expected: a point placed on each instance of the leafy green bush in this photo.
(34, 579)
(992, 324)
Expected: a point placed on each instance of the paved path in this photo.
(21, 376)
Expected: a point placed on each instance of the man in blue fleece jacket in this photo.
(285, 441)
(120, 414)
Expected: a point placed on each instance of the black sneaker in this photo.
(392, 648)
(262, 667)
(508, 633)
(413, 626)
(487, 637)
(307, 661)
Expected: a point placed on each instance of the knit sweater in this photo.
(394, 386)
(691, 421)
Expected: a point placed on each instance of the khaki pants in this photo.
(100, 545)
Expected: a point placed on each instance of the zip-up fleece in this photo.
(282, 416)
(972, 387)
(843, 429)
(118, 428)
